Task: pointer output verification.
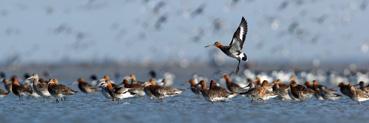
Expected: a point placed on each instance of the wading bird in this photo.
(234, 49)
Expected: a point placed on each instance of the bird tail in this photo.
(244, 57)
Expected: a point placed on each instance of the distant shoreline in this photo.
(199, 66)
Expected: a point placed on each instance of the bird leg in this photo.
(238, 66)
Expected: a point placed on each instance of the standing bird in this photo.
(356, 94)
(85, 87)
(28, 84)
(300, 92)
(263, 92)
(363, 87)
(40, 86)
(153, 90)
(234, 49)
(281, 89)
(195, 87)
(138, 89)
(215, 93)
(115, 93)
(233, 87)
(59, 90)
(19, 89)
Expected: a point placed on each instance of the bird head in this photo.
(106, 77)
(80, 80)
(227, 78)
(203, 84)
(216, 44)
(133, 77)
(293, 83)
(341, 84)
(213, 84)
(53, 82)
(307, 84)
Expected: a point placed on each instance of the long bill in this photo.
(208, 45)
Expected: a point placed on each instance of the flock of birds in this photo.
(261, 89)
(37, 87)
(258, 89)
(255, 88)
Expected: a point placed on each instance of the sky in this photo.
(156, 30)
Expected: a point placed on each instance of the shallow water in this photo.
(184, 108)
(94, 108)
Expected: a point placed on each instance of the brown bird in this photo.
(115, 93)
(281, 90)
(215, 93)
(233, 87)
(363, 87)
(40, 86)
(106, 78)
(262, 92)
(234, 49)
(85, 87)
(355, 94)
(135, 87)
(134, 80)
(59, 90)
(315, 88)
(324, 93)
(19, 89)
(153, 90)
(112, 91)
(300, 92)
(195, 87)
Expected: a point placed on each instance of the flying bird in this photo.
(234, 49)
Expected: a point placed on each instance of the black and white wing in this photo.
(239, 36)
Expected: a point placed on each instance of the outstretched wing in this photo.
(239, 36)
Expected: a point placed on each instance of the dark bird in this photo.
(153, 90)
(263, 92)
(324, 92)
(85, 87)
(198, 11)
(300, 92)
(94, 80)
(234, 49)
(281, 90)
(136, 88)
(195, 87)
(19, 89)
(363, 87)
(59, 90)
(355, 94)
(215, 93)
(233, 87)
(40, 86)
(152, 74)
(115, 93)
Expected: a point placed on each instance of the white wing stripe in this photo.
(242, 30)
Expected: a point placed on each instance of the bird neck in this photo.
(218, 45)
(109, 86)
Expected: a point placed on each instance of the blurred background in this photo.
(281, 32)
